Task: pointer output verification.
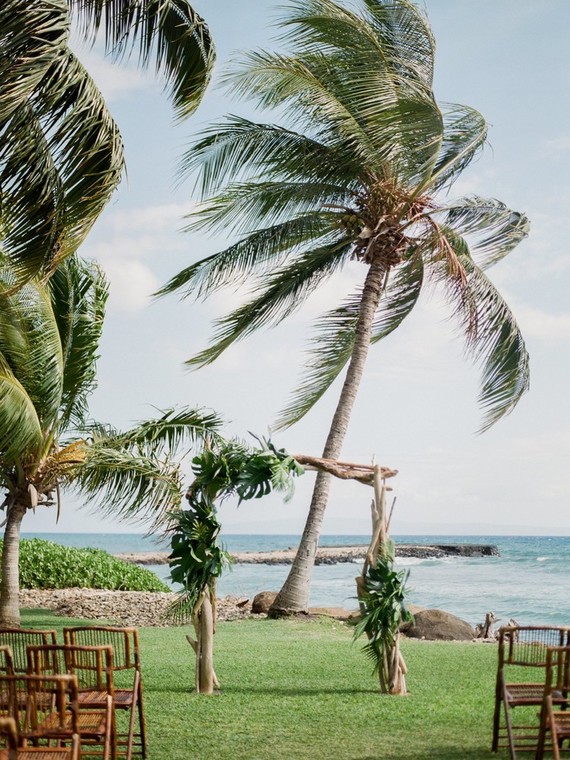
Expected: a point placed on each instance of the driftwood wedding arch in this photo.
(197, 560)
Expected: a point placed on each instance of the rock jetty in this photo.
(333, 555)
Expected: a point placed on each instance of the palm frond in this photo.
(237, 146)
(492, 335)
(61, 158)
(30, 345)
(464, 134)
(362, 75)
(20, 428)
(79, 292)
(32, 34)
(168, 32)
(247, 206)
(332, 347)
(281, 296)
(127, 485)
(173, 430)
(492, 228)
(258, 253)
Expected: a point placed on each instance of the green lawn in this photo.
(296, 690)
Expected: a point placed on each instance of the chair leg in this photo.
(142, 727)
(541, 736)
(509, 725)
(496, 720)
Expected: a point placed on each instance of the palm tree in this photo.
(358, 172)
(61, 154)
(49, 336)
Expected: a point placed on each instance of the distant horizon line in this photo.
(249, 533)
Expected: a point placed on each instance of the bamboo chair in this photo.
(521, 648)
(127, 695)
(9, 733)
(555, 713)
(93, 669)
(19, 639)
(45, 722)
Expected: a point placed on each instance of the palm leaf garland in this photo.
(221, 470)
(382, 609)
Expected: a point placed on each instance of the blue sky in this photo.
(417, 408)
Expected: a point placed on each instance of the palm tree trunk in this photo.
(294, 595)
(10, 589)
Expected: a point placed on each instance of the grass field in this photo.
(294, 690)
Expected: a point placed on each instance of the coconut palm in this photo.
(61, 154)
(49, 336)
(359, 171)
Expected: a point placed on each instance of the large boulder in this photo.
(262, 602)
(437, 625)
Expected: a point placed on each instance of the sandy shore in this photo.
(334, 555)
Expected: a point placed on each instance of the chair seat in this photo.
(39, 753)
(122, 698)
(524, 693)
(519, 694)
(562, 722)
(91, 723)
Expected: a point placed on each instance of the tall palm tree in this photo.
(61, 154)
(358, 172)
(49, 336)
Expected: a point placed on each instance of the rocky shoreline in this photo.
(131, 608)
(334, 555)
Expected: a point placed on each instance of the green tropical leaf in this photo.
(168, 33)
(492, 335)
(333, 345)
(261, 251)
(493, 229)
(284, 293)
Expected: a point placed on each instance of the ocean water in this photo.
(529, 581)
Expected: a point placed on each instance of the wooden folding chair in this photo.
(19, 639)
(128, 695)
(93, 669)
(555, 713)
(521, 648)
(12, 751)
(44, 724)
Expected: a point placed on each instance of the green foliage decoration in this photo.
(382, 608)
(224, 469)
(47, 565)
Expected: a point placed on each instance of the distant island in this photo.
(333, 555)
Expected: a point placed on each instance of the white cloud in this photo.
(128, 243)
(556, 145)
(540, 324)
(148, 219)
(132, 282)
(115, 80)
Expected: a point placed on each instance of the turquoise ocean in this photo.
(529, 581)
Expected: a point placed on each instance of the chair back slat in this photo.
(41, 706)
(527, 646)
(124, 641)
(19, 639)
(91, 665)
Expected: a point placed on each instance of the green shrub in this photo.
(45, 564)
